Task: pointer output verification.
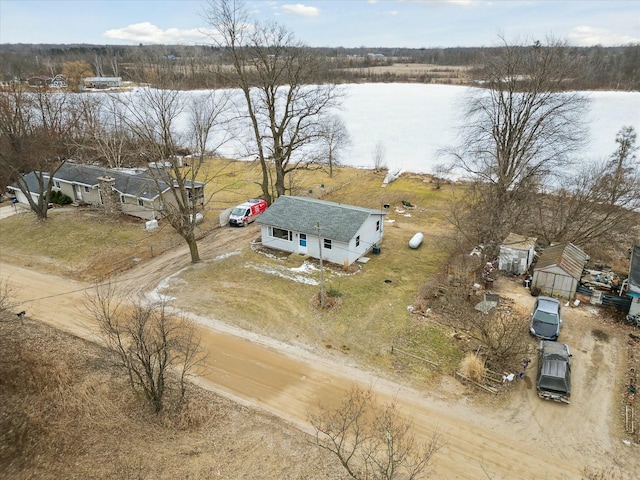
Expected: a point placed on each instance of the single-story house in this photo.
(516, 254)
(558, 271)
(342, 233)
(32, 185)
(102, 82)
(130, 191)
(633, 281)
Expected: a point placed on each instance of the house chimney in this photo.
(108, 196)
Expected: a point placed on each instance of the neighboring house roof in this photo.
(139, 185)
(568, 258)
(519, 242)
(32, 183)
(301, 214)
(103, 79)
(634, 271)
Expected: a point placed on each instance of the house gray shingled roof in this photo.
(32, 183)
(301, 214)
(138, 185)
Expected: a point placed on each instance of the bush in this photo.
(473, 367)
(334, 293)
(59, 198)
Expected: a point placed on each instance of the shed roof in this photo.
(337, 221)
(567, 257)
(519, 242)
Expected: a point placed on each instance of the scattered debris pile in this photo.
(631, 387)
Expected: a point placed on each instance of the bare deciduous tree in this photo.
(76, 71)
(276, 76)
(157, 349)
(373, 441)
(38, 133)
(519, 130)
(108, 140)
(501, 334)
(598, 203)
(153, 120)
(335, 136)
(379, 152)
(439, 173)
(6, 296)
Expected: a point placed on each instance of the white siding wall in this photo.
(21, 197)
(339, 252)
(512, 260)
(369, 236)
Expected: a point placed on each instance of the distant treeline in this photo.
(191, 67)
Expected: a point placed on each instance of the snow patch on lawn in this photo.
(301, 274)
(156, 294)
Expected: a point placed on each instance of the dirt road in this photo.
(523, 437)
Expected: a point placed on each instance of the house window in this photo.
(358, 241)
(141, 202)
(327, 243)
(378, 226)
(122, 199)
(56, 184)
(280, 233)
(86, 189)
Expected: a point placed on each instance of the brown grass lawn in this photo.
(244, 290)
(66, 412)
(373, 313)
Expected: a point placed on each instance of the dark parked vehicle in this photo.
(554, 371)
(546, 319)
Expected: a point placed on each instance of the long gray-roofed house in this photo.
(305, 225)
(130, 191)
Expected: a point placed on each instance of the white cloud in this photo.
(463, 3)
(302, 10)
(146, 32)
(586, 36)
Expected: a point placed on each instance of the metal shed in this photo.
(558, 271)
(516, 254)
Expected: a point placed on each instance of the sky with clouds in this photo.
(329, 23)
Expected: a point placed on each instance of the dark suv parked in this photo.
(546, 319)
(554, 371)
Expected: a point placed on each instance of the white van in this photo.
(247, 212)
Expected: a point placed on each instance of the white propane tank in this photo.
(151, 225)
(416, 240)
(199, 217)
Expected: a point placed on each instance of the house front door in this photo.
(302, 243)
(78, 192)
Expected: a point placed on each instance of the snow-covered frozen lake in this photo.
(413, 122)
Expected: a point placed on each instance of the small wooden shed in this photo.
(558, 271)
(516, 254)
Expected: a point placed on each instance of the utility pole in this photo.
(321, 269)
